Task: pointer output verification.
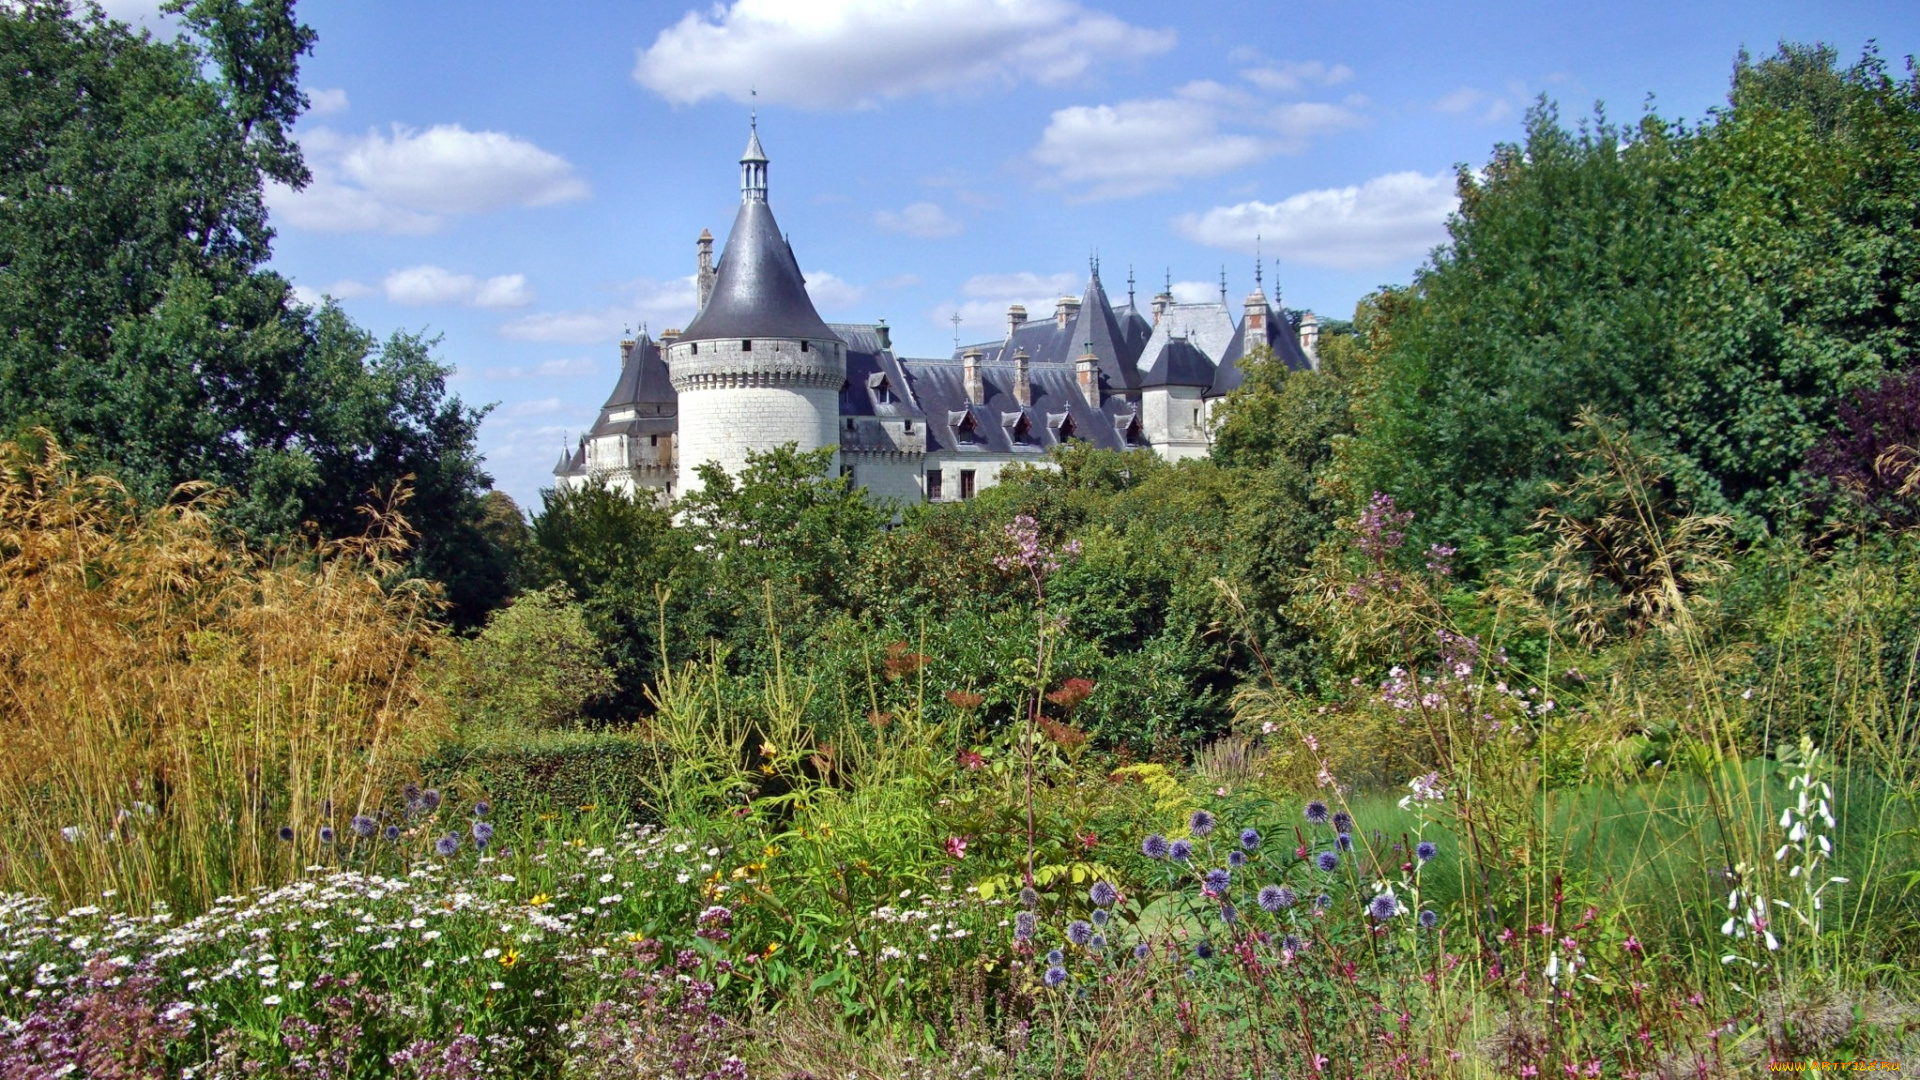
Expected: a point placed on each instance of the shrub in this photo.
(536, 665)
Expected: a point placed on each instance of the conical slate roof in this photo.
(758, 291)
(1180, 364)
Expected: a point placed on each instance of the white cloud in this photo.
(922, 219)
(428, 286)
(326, 102)
(344, 289)
(655, 304)
(1151, 144)
(412, 181)
(1385, 220)
(839, 54)
(1295, 75)
(543, 407)
(831, 291)
(1196, 292)
(575, 367)
(983, 314)
(1482, 105)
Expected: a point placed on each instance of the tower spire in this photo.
(1259, 270)
(1223, 284)
(753, 163)
(1129, 284)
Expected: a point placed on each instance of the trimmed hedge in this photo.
(553, 769)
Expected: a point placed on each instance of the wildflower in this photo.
(1056, 957)
(1236, 858)
(286, 832)
(1140, 951)
(1079, 932)
(1342, 822)
(393, 832)
(447, 845)
(1100, 916)
(1426, 849)
(1103, 894)
(411, 794)
(1250, 839)
(482, 835)
(1344, 841)
(1328, 861)
(1429, 918)
(971, 760)
(1322, 902)
(1228, 914)
(1316, 813)
(430, 800)
(1024, 925)
(1154, 847)
(965, 699)
(270, 1000)
(364, 827)
(326, 834)
(1029, 899)
(1276, 898)
(1204, 950)
(1384, 907)
(1055, 976)
(957, 846)
(1200, 823)
(1097, 941)
(482, 808)
(1180, 851)
(1217, 880)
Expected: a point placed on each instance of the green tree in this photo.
(141, 328)
(535, 666)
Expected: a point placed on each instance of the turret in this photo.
(704, 276)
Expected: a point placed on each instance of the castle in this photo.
(757, 368)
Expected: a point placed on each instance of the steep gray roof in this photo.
(1179, 364)
(876, 385)
(1282, 336)
(1207, 327)
(758, 290)
(1001, 425)
(1097, 325)
(643, 377)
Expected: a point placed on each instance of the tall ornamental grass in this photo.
(182, 718)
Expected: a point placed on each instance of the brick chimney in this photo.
(1022, 378)
(1016, 318)
(1064, 309)
(1087, 371)
(970, 375)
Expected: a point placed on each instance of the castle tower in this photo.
(757, 368)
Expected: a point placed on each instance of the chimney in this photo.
(1016, 318)
(670, 335)
(970, 375)
(1087, 370)
(1256, 315)
(1160, 305)
(1022, 378)
(1064, 309)
(705, 275)
(1310, 337)
(884, 333)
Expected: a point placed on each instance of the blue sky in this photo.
(527, 180)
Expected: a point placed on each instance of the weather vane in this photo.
(956, 329)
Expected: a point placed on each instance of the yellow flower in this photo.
(540, 900)
(588, 808)
(510, 957)
(739, 872)
(771, 850)
(773, 948)
(767, 749)
(549, 817)
(768, 769)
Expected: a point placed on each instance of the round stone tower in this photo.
(756, 368)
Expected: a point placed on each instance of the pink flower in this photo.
(957, 846)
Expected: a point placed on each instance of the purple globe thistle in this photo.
(411, 795)
(1204, 950)
(1056, 957)
(393, 832)
(1322, 902)
(482, 808)
(1342, 821)
(1291, 943)
(1154, 847)
(1250, 839)
(286, 832)
(1316, 813)
(1276, 898)
(1100, 916)
(1142, 951)
(1055, 976)
(1029, 899)
(364, 827)
(1429, 918)
(1426, 849)
(1097, 941)
(326, 834)
(1344, 841)
(1328, 861)
(1024, 926)
(1236, 858)
(447, 845)
(1200, 823)
(1384, 907)
(482, 835)
(1180, 851)
(1102, 894)
(1229, 914)
(1079, 932)
(430, 799)
(1218, 879)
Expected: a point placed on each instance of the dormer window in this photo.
(1023, 431)
(1066, 430)
(882, 388)
(746, 346)
(968, 430)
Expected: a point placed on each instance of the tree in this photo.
(535, 665)
(141, 328)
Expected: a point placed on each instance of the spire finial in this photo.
(1129, 284)
(956, 330)
(753, 165)
(1223, 284)
(1259, 274)
(1169, 281)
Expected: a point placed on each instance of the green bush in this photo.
(560, 770)
(536, 665)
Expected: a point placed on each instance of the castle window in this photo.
(933, 485)
(653, 440)
(696, 348)
(969, 431)
(747, 345)
(966, 483)
(849, 423)
(803, 346)
(846, 473)
(909, 427)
